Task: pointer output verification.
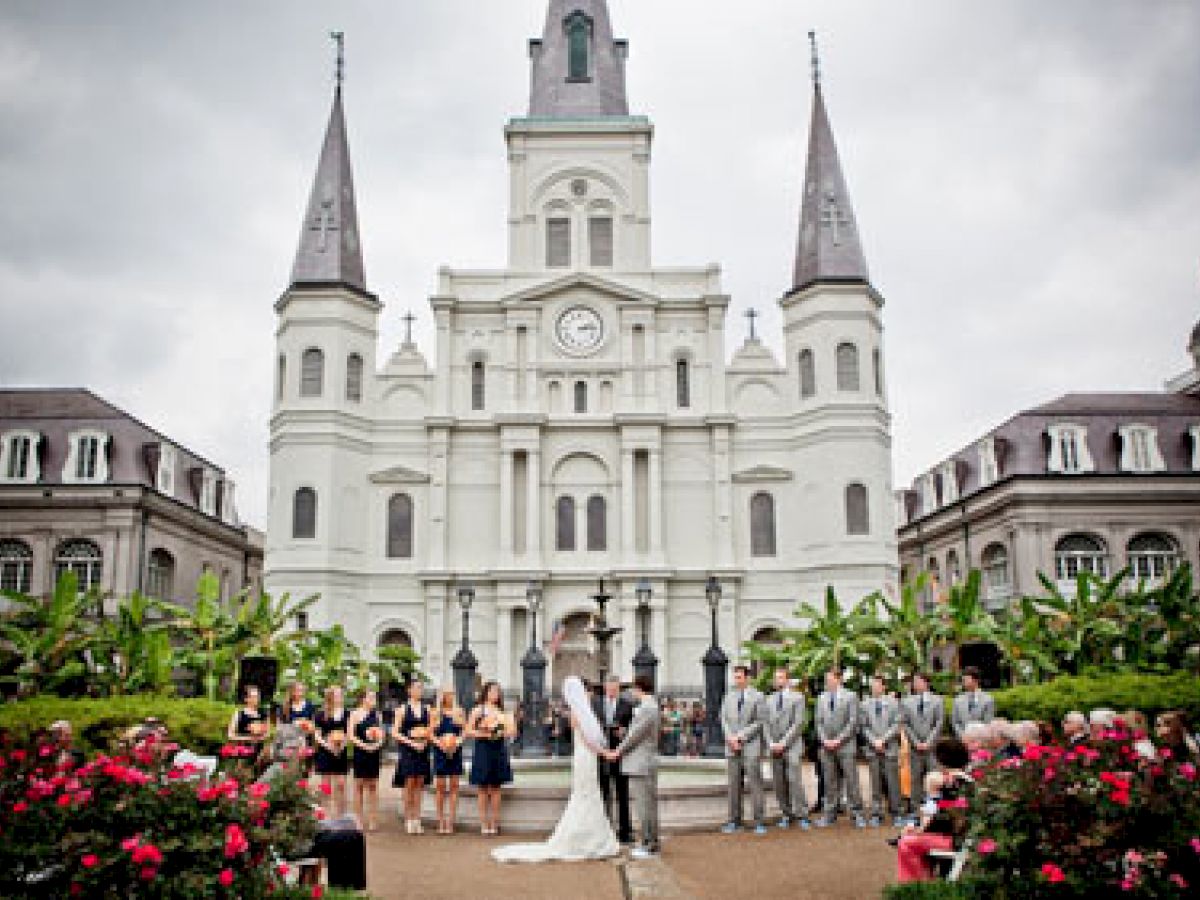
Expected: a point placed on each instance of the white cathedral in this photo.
(580, 419)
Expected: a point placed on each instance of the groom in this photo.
(638, 754)
(615, 713)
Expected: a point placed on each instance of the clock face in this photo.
(579, 330)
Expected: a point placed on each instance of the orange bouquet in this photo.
(259, 729)
(449, 743)
(336, 741)
(374, 733)
(306, 725)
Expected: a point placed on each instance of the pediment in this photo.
(761, 473)
(398, 475)
(613, 289)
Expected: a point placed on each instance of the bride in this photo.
(583, 831)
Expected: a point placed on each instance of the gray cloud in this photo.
(1026, 175)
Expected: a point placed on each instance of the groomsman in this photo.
(837, 728)
(742, 723)
(615, 712)
(972, 705)
(880, 718)
(923, 712)
(783, 723)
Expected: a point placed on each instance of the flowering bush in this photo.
(135, 826)
(1096, 820)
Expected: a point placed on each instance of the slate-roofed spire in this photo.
(578, 67)
(330, 250)
(829, 248)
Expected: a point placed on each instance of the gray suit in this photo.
(836, 719)
(784, 714)
(639, 761)
(975, 706)
(741, 715)
(880, 721)
(922, 718)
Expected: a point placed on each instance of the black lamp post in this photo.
(715, 663)
(464, 662)
(602, 631)
(645, 663)
(533, 669)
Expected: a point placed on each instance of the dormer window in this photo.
(929, 500)
(1139, 449)
(164, 476)
(208, 492)
(989, 466)
(228, 510)
(18, 457)
(87, 458)
(949, 482)
(579, 45)
(1194, 431)
(1069, 453)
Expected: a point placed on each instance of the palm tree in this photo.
(136, 644)
(1087, 622)
(835, 638)
(962, 617)
(262, 620)
(1174, 635)
(211, 635)
(910, 630)
(46, 639)
(1021, 636)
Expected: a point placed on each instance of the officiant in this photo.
(615, 712)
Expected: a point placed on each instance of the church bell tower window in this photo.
(579, 39)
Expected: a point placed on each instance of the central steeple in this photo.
(578, 67)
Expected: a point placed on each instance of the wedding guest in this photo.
(298, 709)
(1075, 728)
(1100, 721)
(412, 730)
(248, 725)
(836, 720)
(923, 712)
(972, 705)
(330, 725)
(63, 741)
(976, 737)
(614, 712)
(639, 762)
(490, 766)
(784, 716)
(367, 739)
(741, 721)
(880, 718)
(943, 821)
(447, 757)
(1139, 729)
(1171, 730)
(1045, 733)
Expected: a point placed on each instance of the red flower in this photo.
(1179, 881)
(1053, 873)
(326, 789)
(18, 756)
(318, 892)
(986, 846)
(148, 873)
(147, 853)
(90, 860)
(76, 888)
(282, 869)
(64, 800)
(20, 806)
(130, 842)
(1188, 771)
(225, 879)
(302, 784)
(235, 841)
(259, 790)
(1165, 753)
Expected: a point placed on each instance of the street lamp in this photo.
(602, 632)
(533, 669)
(464, 662)
(715, 663)
(645, 663)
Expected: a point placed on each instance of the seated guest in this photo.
(1045, 732)
(1171, 730)
(997, 739)
(943, 819)
(63, 741)
(1100, 721)
(1139, 726)
(1075, 728)
(1010, 745)
(977, 737)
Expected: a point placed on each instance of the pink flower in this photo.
(63, 800)
(1049, 774)
(1194, 843)
(148, 873)
(1053, 873)
(1134, 857)
(259, 790)
(90, 860)
(225, 879)
(986, 846)
(981, 756)
(1165, 753)
(130, 842)
(1128, 885)
(326, 789)
(302, 784)
(1188, 771)
(20, 806)
(1178, 880)
(235, 841)
(147, 853)
(18, 756)
(282, 869)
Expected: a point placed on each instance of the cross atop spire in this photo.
(339, 38)
(751, 314)
(408, 318)
(816, 60)
(578, 67)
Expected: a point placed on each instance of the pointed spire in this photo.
(330, 251)
(578, 67)
(829, 248)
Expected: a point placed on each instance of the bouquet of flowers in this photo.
(420, 734)
(259, 729)
(494, 726)
(336, 741)
(374, 734)
(306, 725)
(449, 743)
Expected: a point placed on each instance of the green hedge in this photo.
(1151, 694)
(198, 725)
(937, 890)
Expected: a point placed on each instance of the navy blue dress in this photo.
(328, 763)
(366, 762)
(412, 763)
(292, 715)
(447, 766)
(490, 766)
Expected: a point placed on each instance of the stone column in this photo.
(506, 506)
(445, 402)
(504, 660)
(533, 509)
(628, 506)
(722, 487)
(439, 444)
(655, 502)
(716, 357)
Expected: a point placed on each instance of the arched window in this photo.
(600, 241)
(877, 369)
(766, 637)
(304, 513)
(581, 405)
(997, 585)
(1152, 556)
(847, 367)
(83, 558)
(579, 39)
(16, 566)
(395, 637)
(762, 524)
(683, 384)
(478, 385)
(808, 374)
(953, 569)
(354, 378)
(160, 575)
(558, 242)
(564, 523)
(281, 377)
(400, 527)
(312, 373)
(597, 523)
(1077, 553)
(858, 517)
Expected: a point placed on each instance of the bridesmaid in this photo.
(298, 709)
(367, 737)
(412, 731)
(330, 735)
(447, 757)
(248, 725)
(490, 767)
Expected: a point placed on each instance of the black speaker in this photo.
(263, 673)
(986, 658)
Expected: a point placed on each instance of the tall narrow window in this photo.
(600, 240)
(477, 385)
(997, 585)
(160, 575)
(16, 566)
(808, 374)
(597, 523)
(579, 39)
(312, 373)
(281, 377)
(762, 524)
(304, 513)
(877, 370)
(354, 378)
(564, 523)
(581, 405)
(18, 457)
(683, 384)
(400, 527)
(87, 458)
(558, 243)
(847, 367)
(81, 557)
(858, 520)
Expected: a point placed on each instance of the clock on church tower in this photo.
(579, 329)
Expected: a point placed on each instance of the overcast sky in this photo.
(1026, 177)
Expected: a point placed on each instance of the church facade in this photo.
(579, 419)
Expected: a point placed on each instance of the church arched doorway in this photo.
(574, 654)
(767, 637)
(392, 692)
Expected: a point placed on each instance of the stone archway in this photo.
(575, 654)
(393, 693)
